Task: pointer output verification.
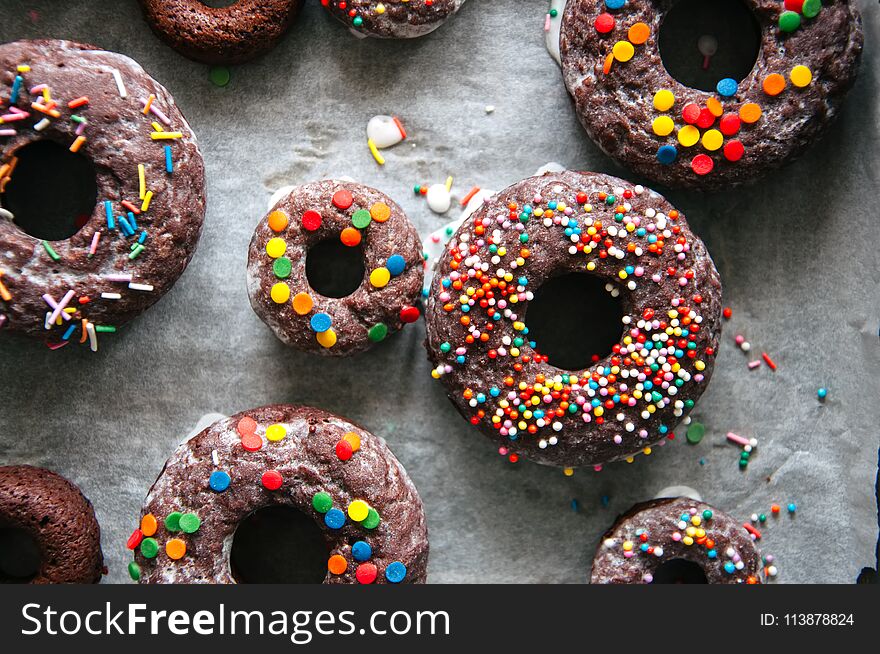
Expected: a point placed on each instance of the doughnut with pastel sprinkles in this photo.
(646, 539)
(392, 19)
(339, 474)
(141, 230)
(678, 136)
(642, 248)
(360, 218)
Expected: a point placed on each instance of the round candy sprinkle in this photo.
(409, 314)
(395, 572)
(663, 100)
(615, 4)
(666, 154)
(750, 113)
(282, 267)
(334, 518)
(361, 551)
(320, 322)
(344, 450)
(729, 124)
(219, 481)
(342, 199)
(712, 140)
(702, 164)
(149, 525)
(219, 75)
(358, 510)
(792, 507)
(695, 432)
(733, 150)
(172, 521)
(149, 548)
(350, 237)
(361, 219)
(662, 125)
(302, 303)
(800, 76)
(705, 119)
(688, 135)
(378, 332)
(311, 220)
(275, 432)
(714, 106)
(134, 571)
(690, 113)
(190, 523)
(380, 277)
(366, 573)
(380, 212)
(246, 425)
(727, 312)
(811, 8)
(372, 520)
(337, 564)
(638, 33)
(604, 23)
(822, 393)
(278, 221)
(774, 84)
(623, 51)
(395, 264)
(322, 502)
(794, 5)
(271, 480)
(789, 21)
(727, 87)
(137, 536)
(352, 439)
(175, 549)
(280, 293)
(327, 338)
(276, 247)
(251, 442)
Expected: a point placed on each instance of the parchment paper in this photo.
(797, 253)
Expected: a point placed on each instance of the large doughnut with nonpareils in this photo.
(641, 247)
(233, 34)
(392, 19)
(679, 136)
(142, 216)
(58, 518)
(677, 540)
(339, 474)
(359, 217)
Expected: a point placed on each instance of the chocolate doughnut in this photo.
(221, 35)
(326, 213)
(143, 214)
(340, 475)
(392, 19)
(655, 541)
(61, 521)
(679, 136)
(641, 248)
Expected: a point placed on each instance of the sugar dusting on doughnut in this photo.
(574, 222)
(394, 19)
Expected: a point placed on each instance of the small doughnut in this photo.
(221, 35)
(741, 130)
(654, 542)
(392, 19)
(635, 242)
(100, 114)
(341, 476)
(60, 520)
(384, 296)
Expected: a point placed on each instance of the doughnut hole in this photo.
(574, 321)
(733, 26)
(278, 545)
(20, 557)
(52, 191)
(679, 571)
(334, 269)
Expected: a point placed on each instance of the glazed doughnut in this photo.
(358, 217)
(637, 113)
(392, 19)
(60, 520)
(636, 243)
(140, 229)
(339, 474)
(655, 533)
(221, 35)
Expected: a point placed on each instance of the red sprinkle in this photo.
(272, 480)
(733, 150)
(135, 539)
(754, 532)
(794, 5)
(727, 313)
(729, 124)
(690, 113)
(366, 573)
(409, 314)
(768, 360)
(342, 199)
(311, 220)
(705, 119)
(343, 450)
(246, 426)
(251, 442)
(702, 164)
(604, 23)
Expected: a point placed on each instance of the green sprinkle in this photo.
(361, 218)
(134, 571)
(378, 332)
(811, 8)
(789, 21)
(322, 502)
(52, 253)
(762, 518)
(554, 13)
(136, 251)
(358, 21)
(189, 523)
(445, 347)
(219, 75)
(282, 267)
(695, 432)
(172, 522)
(372, 520)
(707, 514)
(77, 119)
(149, 548)
(105, 329)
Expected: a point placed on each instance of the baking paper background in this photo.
(797, 252)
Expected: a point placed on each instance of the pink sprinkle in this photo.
(94, 247)
(157, 112)
(740, 339)
(80, 129)
(57, 346)
(7, 132)
(736, 438)
(754, 364)
(118, 277)
(20, 112)
(60, 307)
(39, 88)
(48, 299)
(12, 117)
(547, 23)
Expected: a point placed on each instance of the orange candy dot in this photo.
(639, 33)
(278, 221)
(149, 525)
(774, 84)
(380, 212)
(337, 564)
(749, 113)
(715, 107)
(352, 439)
(350, 237)
(302, 303)
(175, 549)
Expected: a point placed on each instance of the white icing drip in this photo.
(679, 491)
(551, 36)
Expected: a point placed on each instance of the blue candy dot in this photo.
(395, 264)
(727, 87)
(361, 551)
(615, 4)
(729, 568)
(334, 518)
(321, 322)
(666, 154)
(822, 393)
(395, 572)
(219, 481)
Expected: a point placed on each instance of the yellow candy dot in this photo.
(358, 510)
(380, 8)
(326, 338)
(275, 433)
(662, 125)
(280, 293)
(568, 472)
(688, 135)
(380, 212)
(712, 140)
(663, 100)
(800, 76)
(380, 277)
(302, 303)
(276, 247)
(354, 440)
(278, 221)
(623, 51)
